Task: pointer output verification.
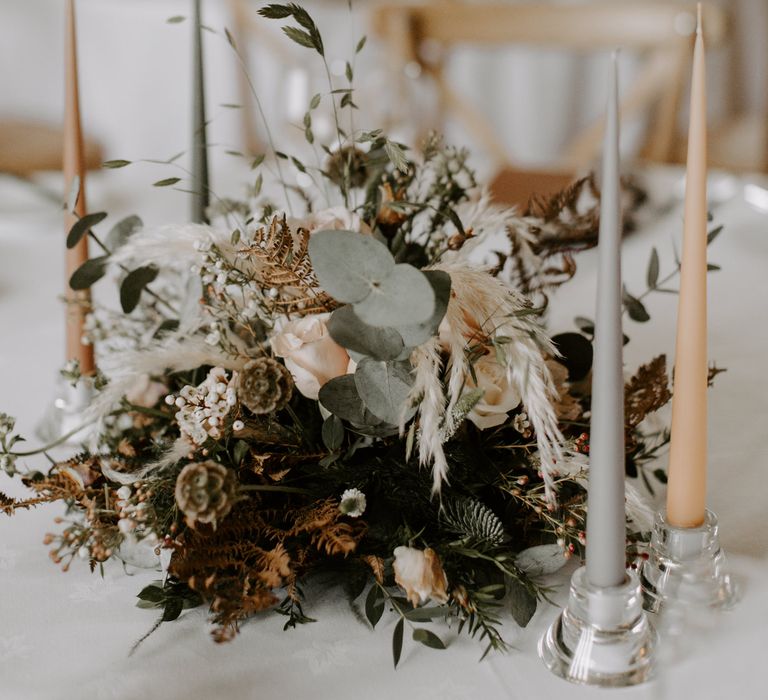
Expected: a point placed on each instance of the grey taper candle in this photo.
(605, 505)
(199, 142)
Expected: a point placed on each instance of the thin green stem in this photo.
(345, 185)
(275, 488)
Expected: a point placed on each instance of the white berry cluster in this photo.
(203, 408)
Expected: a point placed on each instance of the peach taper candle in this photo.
(687, 488)
(78, 303)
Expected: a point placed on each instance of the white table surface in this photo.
(65, 636)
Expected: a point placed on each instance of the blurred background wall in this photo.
(135, 77)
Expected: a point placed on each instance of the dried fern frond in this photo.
(646, 392)
(286, 267)
(473, 520)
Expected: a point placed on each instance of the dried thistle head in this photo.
(205, 492)
(264, 385)
(348, 160)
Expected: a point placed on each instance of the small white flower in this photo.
(352, 503)
(238, 425)
(124, 493)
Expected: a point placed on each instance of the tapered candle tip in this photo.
(698, 18)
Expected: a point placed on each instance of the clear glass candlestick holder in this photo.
(686, 566)
(602, 637)
(65, 422)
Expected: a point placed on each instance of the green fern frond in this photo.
(473, 520)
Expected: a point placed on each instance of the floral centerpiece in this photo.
(361, 388)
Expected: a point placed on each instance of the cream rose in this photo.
(335, 219)
(500, 395)
(311, 355)
(420, 574)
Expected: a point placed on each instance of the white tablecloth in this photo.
(66, 636)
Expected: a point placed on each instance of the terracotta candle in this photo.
(199, 141)
(74, 167)
(606, 558)
(687, 489)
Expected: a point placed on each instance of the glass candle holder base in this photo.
(64, 422)
(686, 566)
(602, 637)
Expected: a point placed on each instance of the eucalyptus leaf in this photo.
(117, 163)
(404, 297)
(346, 328)
(416, 334)
(133, 285)
(541, 559)
(167, 182)
(340, 397)
(348, 265)
(122, 231)
(384, 388)
(173, 608)
(81, 227)
(333, 433)
(522, 602)
(90, 272)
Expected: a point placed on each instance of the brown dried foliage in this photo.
(285, 265)
(645, 393)
(255, 550)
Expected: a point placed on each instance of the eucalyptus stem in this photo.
(58, 441)
(345, 179)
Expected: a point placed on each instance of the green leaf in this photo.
(90, 272)
(257, 161)
(122, 231)
(167, 182)
(173, 608)
(473, 520)
(405, 296)
(340, 397)
(714, 233)
(151, 593)
(333, 433)
(133, 285)
(315, 101)
(346, 328)
(427, 638)
(522, 603)
(397, 641)
(661, 475)
(348, 264)
(275, 11)
(384, 389)
(176, 19)
(81, 227)
(300, 37)
(374, 605)
(711, 267)
(635, 308)
(115, 163)
(653, 269)
(585, 325)
(541, 559)
(361, 44)
(240, 451)
(396, 155)
(416, 334)
(348, 72)
(230, 38)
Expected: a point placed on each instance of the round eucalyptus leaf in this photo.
(416, 334)
(340, 397)
(349, 265)
(384, 388)
(133, 285)
(351, 333)
(405, 297)
(91, 271)
(122, 231)
(541, 559)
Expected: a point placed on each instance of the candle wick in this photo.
(698, 19)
